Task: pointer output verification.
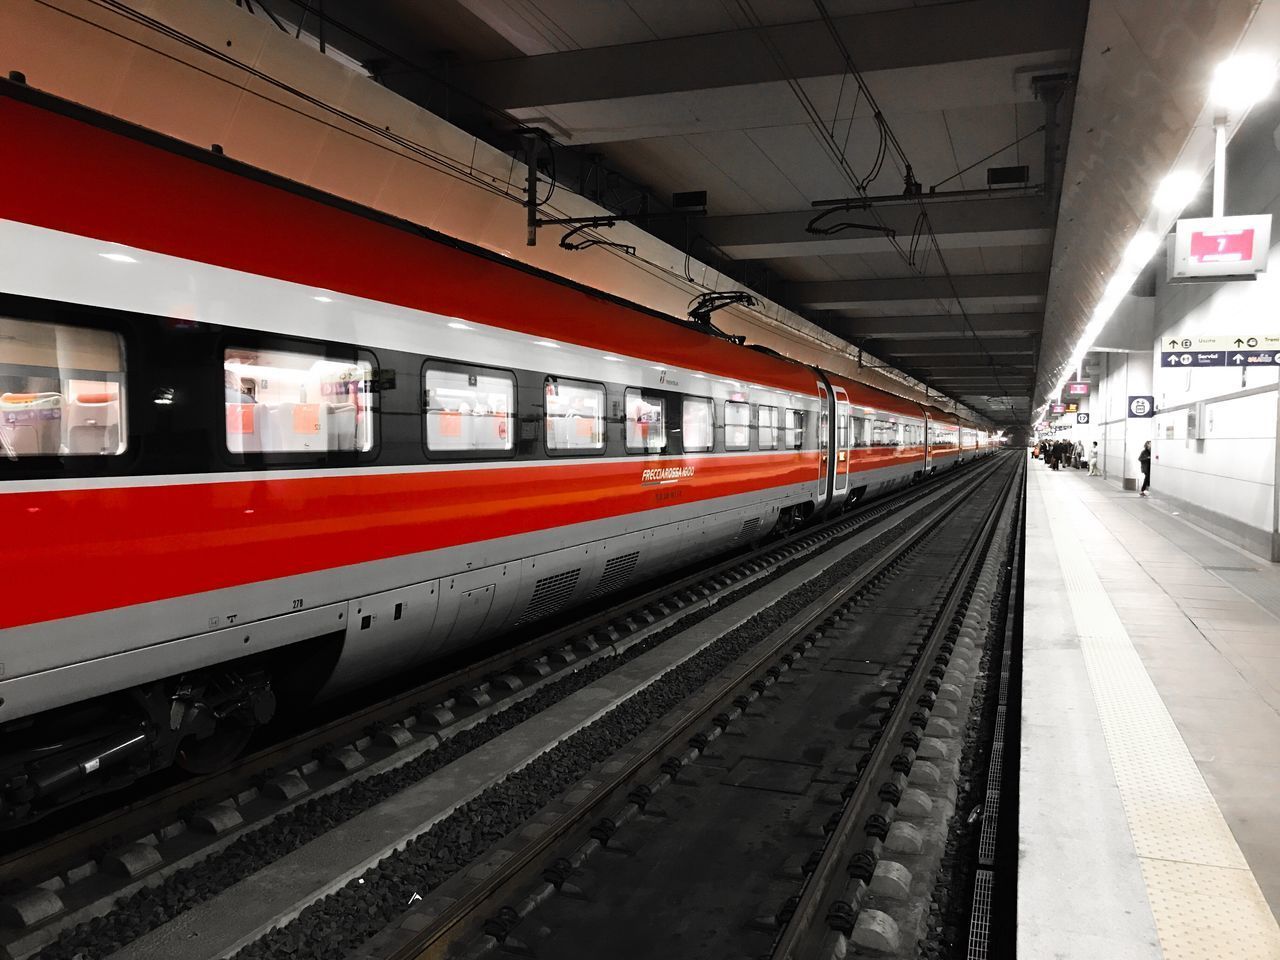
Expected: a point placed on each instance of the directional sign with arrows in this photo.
(1198, 358)
(1230, 350)
(1254, 358)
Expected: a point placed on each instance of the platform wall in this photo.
(1215, 432)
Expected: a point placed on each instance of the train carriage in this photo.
(943, 438)
(261, 446)
(879, 440)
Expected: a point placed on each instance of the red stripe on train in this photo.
(101, 548)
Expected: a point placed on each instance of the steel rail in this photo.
(68, 848)
(801, 934)
(463, 918)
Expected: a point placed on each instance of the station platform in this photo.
(1149, 821)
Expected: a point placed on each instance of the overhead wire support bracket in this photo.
(826, 231)
(533, 221)
(568, 243)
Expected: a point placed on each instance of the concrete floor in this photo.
(1135, 618)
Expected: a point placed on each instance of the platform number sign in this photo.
(1142, 407)
(1082, 418)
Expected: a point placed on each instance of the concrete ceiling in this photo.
(1140, 111)
(752, 101)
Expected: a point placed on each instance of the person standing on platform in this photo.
(1093, 461)
(1144, 461)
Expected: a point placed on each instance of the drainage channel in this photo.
(125, 894)
(992, 921)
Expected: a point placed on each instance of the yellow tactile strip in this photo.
(1205, 899)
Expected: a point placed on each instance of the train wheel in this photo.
(219, 716)
(216, 751)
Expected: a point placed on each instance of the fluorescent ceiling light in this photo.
(1141, 249)
(117, 257)
(1118, 287)
(1241, 81)
(1176, 191)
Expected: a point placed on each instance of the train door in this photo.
(824, 443)
(842, 441)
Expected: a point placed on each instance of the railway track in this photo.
(148, 846)
(747, 822)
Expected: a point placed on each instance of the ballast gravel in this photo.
(947, 931)
(335, 926)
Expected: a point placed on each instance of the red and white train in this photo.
(259, 446)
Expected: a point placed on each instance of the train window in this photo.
(699, 424)
(793, 433)
(575, 415)
(737, 425)
(885, 433)
(469, 409)
(861, 432)
(61, 390)
(842, 432)
(767, 418)
(278, 401)
(646, 422)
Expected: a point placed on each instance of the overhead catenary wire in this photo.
(887, 136)
(887, 143)
(993, 153)
(369, 132)
(383, 138)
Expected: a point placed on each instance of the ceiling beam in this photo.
(832, 294)
(987, 388)
(976, 370)
(958, 224)
(1014, 393)
(887, 40)
(935, 349)
(928, 326)
(983, 375)
(962, 365)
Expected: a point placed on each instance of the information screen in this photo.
(1220, 248)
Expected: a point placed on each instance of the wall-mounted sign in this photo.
(1227, 341)
(1142, 406)
(1072, 407)
(1173, 359)
(1220, 248)
(1082, 418)
(1057, 408)
(1253, 358)
(1077, 389)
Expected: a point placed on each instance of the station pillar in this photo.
(1120, 437)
